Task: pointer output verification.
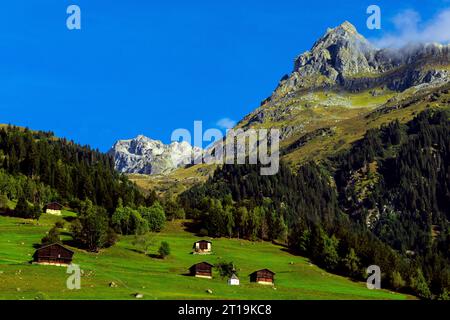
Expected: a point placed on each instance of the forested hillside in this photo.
(384, 201)
(42, 168)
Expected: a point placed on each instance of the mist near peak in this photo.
(410, 29)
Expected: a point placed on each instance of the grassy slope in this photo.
(163, 279)
(175, 182)
(354, 121)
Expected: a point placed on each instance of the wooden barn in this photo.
(264, 276)
(202, 247)
(201, 270)
(53, 254)
(53, 208)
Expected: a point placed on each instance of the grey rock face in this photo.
(146, 156)
(344, 57)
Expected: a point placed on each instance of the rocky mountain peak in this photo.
(343, 57)
(147, 156)
(344, 27)
(341, 52)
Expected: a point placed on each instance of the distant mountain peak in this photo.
(345, 27)
(147, 156)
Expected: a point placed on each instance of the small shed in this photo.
(233, 281)
(53, 208)
(201, 270)
(202, 247)
(53, 254)
(264, 276)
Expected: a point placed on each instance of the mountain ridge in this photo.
(147, 156)
(342, 78)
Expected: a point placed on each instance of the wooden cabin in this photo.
(53, 208)
(53, 254)
(202, 247)
(201, 270)
(264, 276)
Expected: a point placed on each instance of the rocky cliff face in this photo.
(146, 156)
(340, 65)
(345, 58)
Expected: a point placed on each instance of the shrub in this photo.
(164, 249)
(226, 269)
(53, 236)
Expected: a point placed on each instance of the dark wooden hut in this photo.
(264, 276)
(201, 270)
(55, 254)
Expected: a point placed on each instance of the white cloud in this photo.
(409, 28)
(226, 123)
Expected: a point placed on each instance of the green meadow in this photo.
(134, 272)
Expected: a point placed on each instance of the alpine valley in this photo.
(364, 180)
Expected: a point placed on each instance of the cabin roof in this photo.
(204, 262)
(233, 276)
(267, 270)
(53, 244)
(54, 202)
(203, 241)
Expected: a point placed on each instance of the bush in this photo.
(53, 236)
(226, 269)
(164, 249)
(111, 238)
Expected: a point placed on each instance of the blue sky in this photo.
(148, 67)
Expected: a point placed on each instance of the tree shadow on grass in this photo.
(74, 244)
(150, 255)
(192, 227)
(69, 219)
(186, 274)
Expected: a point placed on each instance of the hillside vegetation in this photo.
(134, 272)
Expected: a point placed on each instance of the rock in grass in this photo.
(209, 291)
(41, 296)
(138, 295)
(113, 285)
